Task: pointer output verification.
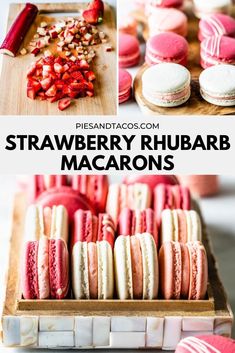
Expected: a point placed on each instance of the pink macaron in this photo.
(183, 270)
(216, 24)
(125, 83)
(128, 25)
(152, 5)
(168, 20)
(166, 47)
(201, 185)
(129, 50)
(210, 344)
(217, 50)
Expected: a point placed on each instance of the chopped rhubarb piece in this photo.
(41, 31)
(92, 16)
(84, 64)
(69, 39)
(35, 51)
(66, 67)
(43, 24)
(68, 53)
(64, 103)
(51, 92)
(54, 34)
(109, 48)
(23, 51)
(18, 30)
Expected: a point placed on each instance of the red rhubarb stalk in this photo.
(18, 30)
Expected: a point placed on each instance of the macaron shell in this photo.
(106, 229)
(151, 180)
(123, 268)
(194, 226)
(182, 227)
(216, 24)
(212, 343)
(201, 185)
(34, 227)
(92, 270)
(85, 227)
(58, 268)
(185, 271)
(217, 84)
(43, 268)
(29, 279)
(166, 47)
(69, 198)
(59, 223)
(137, 267)
(198, 271)
(150, 266)
(167, 20)
(105, 270)
(168, 226)
(80, 276)
(125, 83)
(129, 50)
(139, 196)
(113, 206)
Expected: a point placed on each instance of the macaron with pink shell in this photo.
(151, 180)
(129, 50)
(153, 5)
(128, 25)
(183, 270)
(124, 86)
(209, 344)
(217, 85)
(217, 50)
(203, 8)
(170, 92)
(166, 47)
(216, 24)
(201, 185)
(168, 20)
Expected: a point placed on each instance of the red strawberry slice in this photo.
(65, 76)
(57, 97)
(84, 64)
(64, 103)
(31, 93)
(92, 16)
(77, 75)
(51, 92)
(90, 76)
(31, 69)
(46, 83)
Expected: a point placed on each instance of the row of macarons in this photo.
(104, 266)
(201, 7)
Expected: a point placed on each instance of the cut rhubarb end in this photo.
(18, 30)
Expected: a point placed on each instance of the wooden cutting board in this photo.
(13, 99)
(196, 105)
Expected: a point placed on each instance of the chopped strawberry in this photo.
(92, 16)
(34, 84)
(31, 69)
(65, 76)
(65, 67)
(74, 68)
(49, 60)
(59, 84)
(41, 95)
(46, 83)
(35, 51)
(76, 86)
(64, 103)
(74, 94)
(59, 60)
(58, 68)
(77, 75)
(51, 92)
(31, 93)
(57, 97)
(90, 76)
(89, 93)
(84, 65)
(54, 35)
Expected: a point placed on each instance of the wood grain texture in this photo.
(13, 305)
(196, 105)
(13, 99)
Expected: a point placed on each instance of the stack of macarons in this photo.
(115, 254)
(45, 266)
(203, 8)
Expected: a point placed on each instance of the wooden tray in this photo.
(13, 99)
(24, 320)
(196, 105)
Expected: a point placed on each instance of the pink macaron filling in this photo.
(92, 270)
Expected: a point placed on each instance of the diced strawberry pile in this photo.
(56, 79)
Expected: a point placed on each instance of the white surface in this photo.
(219, 216)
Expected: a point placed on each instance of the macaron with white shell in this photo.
(136, 267)
(181, 226)
(217, 85)
(166, 85)
(203, 8)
